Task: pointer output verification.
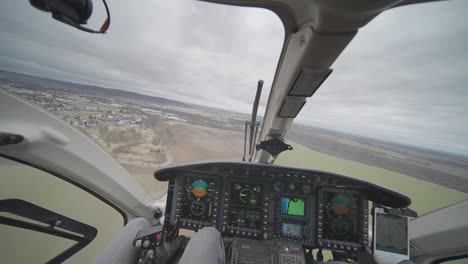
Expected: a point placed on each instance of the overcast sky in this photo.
(403, 78)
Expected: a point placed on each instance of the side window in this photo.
(37, 187)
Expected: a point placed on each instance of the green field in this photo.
(426, 196)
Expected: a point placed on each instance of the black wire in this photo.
(106, 21)
(108, 16)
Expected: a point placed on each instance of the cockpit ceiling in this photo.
(323, 15)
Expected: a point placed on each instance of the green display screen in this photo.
(292, 206)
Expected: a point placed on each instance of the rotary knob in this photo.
(306, 189)
(278, 186)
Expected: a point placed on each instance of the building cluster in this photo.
(87, 111)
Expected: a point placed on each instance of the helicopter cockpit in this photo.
(271, 214)
(232, 210)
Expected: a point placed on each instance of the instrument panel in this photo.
(273, 203)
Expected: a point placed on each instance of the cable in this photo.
(104, 26)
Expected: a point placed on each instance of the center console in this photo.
(246, 251)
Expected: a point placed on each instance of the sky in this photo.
(403, 77)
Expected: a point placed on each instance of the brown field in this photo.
(201, 143)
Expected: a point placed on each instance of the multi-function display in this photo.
(341, 216)
(245, 205)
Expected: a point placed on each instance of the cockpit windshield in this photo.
(171, 81)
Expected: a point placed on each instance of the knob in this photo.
(278, 186)
(292, 187)
(146, 244)
(306, 189)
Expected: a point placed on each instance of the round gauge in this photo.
(245, 195)
(197, 207)
(199, 188)
(316, 178)
(341, 204)
(341, 227)
(278, 186)
(306, 189)
(292, 187)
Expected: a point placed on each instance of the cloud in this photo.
(403, 78)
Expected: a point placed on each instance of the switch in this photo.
(158, 237)
(138, 243)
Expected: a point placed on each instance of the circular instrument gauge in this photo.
(245, 195)
(316, 178)
(341, 226)
(340, 204)
(199, 188)
(278, 186)
(306, 189)
(197, 207)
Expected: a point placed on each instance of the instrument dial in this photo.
(278, 186)
(197, 207)
(306, 189)
(245, 195)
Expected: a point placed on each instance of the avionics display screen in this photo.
(391, 234)
(292, 206)
(246, 204)
(244, 218)
(198, 199)
(291, 230)
(246, 195)
(341, 216)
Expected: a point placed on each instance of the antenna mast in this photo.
(253, 124)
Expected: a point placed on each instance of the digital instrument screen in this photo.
(341, 216)
(292, 230)
(292, 206)
(244, 218)
(198, 201)
(246, 204)
(391, 234)
(246, 195)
